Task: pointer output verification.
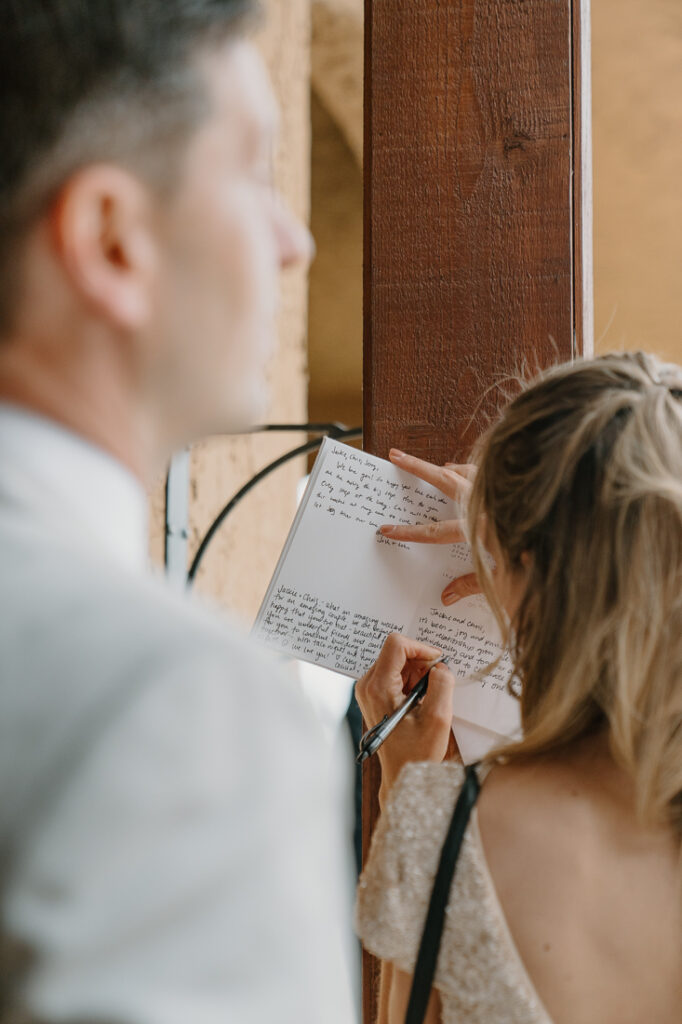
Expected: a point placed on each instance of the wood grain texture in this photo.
(476, 123)
(468, 259)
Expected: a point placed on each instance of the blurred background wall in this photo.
(637, 133)
(314, 49)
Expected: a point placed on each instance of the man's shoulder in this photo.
(87, 609)
(87, 645)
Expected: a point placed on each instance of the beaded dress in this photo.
(480, 976)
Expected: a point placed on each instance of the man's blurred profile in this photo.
(168, 852)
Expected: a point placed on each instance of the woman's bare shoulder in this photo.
(589, 894)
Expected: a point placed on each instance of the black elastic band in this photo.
(427, 958)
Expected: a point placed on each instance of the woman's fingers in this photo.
(463, 586)
(381, 689)
(465, 469)
(424, 734)
(436, 705)
(446, 479)
(414, 671)
(399, 649)
(448, 531)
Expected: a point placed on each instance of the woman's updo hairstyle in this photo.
(583, 472)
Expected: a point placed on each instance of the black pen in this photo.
(374, 737)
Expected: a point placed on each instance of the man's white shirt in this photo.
(168, 844)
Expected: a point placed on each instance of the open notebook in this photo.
(340, 587)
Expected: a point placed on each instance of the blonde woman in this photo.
(566, 906)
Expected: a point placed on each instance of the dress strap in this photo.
(427, 957)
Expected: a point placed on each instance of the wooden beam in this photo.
(477, 222)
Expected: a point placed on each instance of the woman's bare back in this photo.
(592, 899)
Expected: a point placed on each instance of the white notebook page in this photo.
(340, 588)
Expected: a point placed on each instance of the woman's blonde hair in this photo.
(584, 473)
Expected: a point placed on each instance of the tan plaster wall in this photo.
(637, 138)
(242, 557)
(338, 63)
(335, 331)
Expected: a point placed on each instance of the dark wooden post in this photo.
(477, 221)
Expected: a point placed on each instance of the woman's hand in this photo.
(424, 734)
(455, 481)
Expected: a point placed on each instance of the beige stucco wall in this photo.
(637, 137)
(338, 63)
(335, 325)
(238, 566)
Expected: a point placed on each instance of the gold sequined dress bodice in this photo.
(480, 976)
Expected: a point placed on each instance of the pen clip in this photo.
(368, 736)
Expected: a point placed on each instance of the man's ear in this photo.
(102, 230)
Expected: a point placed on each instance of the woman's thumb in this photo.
(438, 697)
